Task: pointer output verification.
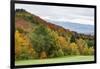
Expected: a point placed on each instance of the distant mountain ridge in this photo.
(80, 28)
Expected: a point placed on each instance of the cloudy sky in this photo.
(65, 14)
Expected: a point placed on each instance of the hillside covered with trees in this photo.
(36, 38)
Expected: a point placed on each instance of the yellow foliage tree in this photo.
(91, 51)
(74, 49)
(81, 45)
(62, 42)
(85, 50)
(23, 47)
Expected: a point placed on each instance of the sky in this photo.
(58, 13)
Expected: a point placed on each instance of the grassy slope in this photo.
(56, 60)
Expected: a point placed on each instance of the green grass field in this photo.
(55, 60)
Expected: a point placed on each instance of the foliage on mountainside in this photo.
(37, 39)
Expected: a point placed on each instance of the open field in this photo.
(55, 60)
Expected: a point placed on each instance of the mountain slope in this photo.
(26, 21)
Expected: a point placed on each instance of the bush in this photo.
(43, 55)
(60, 53)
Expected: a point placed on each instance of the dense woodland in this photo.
(36, 38)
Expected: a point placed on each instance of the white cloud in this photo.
(71, 14)
(74, 20)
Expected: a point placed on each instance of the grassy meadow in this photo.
(65, 59)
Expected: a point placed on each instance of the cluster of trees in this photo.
(43, 42)
(46, 43)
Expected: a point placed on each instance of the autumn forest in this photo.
(36, 38)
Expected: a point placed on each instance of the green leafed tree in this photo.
(44, 39)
